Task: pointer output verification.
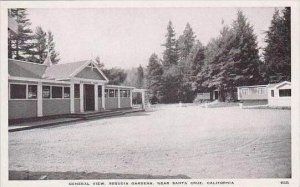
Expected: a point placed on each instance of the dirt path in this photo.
(190, 141)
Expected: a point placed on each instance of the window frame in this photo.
(272, 93)
(50, 90)
(75, 85)
(106, 93)
(246, 91)
(100, 91)
(62, 92)
(262, 92)
(113, 95)
(26, 91)
(285, 91)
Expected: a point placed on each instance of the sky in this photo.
(126, 37)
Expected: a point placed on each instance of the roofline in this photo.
(37, 80)
(26, 62)
(84, 65)
(279, 84)
(83, 79)
(79, 69)
(252, 86)
(119, 86)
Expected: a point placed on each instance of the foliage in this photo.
(277, 53)
(154, 73)
(18, 44)
(54, 55)
(29, 46)
(170, 55)
(115, 76)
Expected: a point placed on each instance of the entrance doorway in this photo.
(89, 97)
(216, 95)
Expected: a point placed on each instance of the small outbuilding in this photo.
(280, 94)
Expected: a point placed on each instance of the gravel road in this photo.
(191, 141)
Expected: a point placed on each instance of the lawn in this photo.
(173, 141)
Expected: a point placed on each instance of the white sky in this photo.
(126, 37)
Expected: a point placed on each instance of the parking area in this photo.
(196, 142)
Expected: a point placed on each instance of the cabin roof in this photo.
(19, 68)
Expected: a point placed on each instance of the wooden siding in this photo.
(100, 108)
(111, 102)
(125, 102)
(22, 109)
(77, 105)
(88, 73)
(252, 94)
(56, 106)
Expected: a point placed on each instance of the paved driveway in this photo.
(191, 141)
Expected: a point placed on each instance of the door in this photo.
(216, 95)
(89, 97)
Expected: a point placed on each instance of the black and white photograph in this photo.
(154, 94)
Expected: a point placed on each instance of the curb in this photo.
(75, 120)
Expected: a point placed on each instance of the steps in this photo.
(103, 114)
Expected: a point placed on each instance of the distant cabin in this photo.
(278, 94)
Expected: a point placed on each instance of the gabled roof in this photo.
(276, 85)
(20, 68)
(63, 71)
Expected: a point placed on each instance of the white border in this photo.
(147, 4)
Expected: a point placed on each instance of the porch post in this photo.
(72, 98)
(143, 99)
(96, 97)
(130, 93)
(103, 96)
(40, 99)
(119, 98)
(81, 98)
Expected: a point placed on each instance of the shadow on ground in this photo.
(69, 175)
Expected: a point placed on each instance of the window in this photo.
(18, 91)
(261, 91)
(285, 93)
(272, 93)
(123, 93)
(56, 92)
(32, 91)
(66, 92)
(99, 91)
(106, 92)
(111, 93)
(245, 91)
(46, 92)
(128, 93)
(116, 93)
(76, 91)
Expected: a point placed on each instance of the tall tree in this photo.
(232, 59)
(99, 63)
(154, 74)
(170, 56)
(54, 55)
(18, 44)
(186, 42)
(277, 54)
(140, 77)
(39, 51)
